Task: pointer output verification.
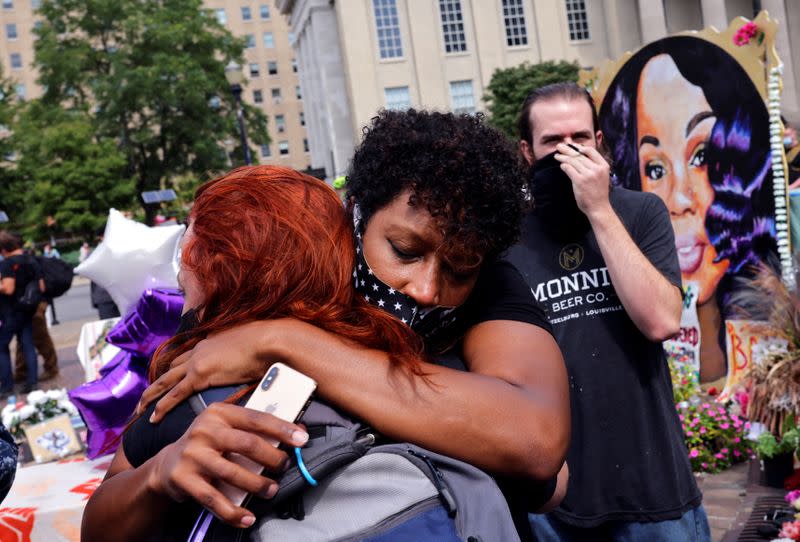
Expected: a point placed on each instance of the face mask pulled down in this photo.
(554, 200)
(427, 322)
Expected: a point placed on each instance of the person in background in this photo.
(50, 251)
(84, 252)
(604, 264)
(16, 270)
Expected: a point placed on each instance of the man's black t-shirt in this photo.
(23, 269)
(627, 457)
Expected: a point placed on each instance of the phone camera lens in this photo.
(267, 382)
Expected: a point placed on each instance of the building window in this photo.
(291, 38)
(246, 14)
(36, 4)
(455, 41)
(221, 18)
(280, 123)
(263, 10)
(298, 93)
(265, 152)
(11, 31)
(276, 95)
(283, 147)
(258, 96)
(8, 4)
(514, 19)
(272, 67)
(249, 41)
(37, 25)
(388, 24)
(577, 20)
(461, 97)
(305, 145)
(302, 118)
(19, 89)
(397, 98)
(16, 61)
(269, 40)
(254, 70)
(294, 65)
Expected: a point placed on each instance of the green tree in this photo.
(67, 173)
(152, 74)
(509, 87)
(11, 195)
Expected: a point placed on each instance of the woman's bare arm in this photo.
(509, 414)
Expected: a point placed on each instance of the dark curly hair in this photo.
(467, 174)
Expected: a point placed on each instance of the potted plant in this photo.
(778, 453)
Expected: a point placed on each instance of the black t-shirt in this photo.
(499, 294)
(23, 269)
(627, 458)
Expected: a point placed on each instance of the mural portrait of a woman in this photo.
(683, 119)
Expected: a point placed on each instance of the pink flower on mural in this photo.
(746, 33)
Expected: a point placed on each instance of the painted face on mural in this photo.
(673, 123)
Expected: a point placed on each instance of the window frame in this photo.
(460, 39)
(573, 16)
(454, 97)
(523, 15)
(390, 30)
(396, 107)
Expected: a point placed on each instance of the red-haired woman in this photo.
(425, 245)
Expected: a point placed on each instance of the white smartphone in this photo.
(284, 393)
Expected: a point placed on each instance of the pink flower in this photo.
(737, 440)
(703, 431)
(690, 433)
(723, 451)
(719, 456)
(680, 417)
(737, 453)
(721, 410)
(706, 405)
(792, 496)
(724, 426)
(704, 465)
(712, 414)
(791, 530)
(694, 453)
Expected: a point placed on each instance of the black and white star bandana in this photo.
(426, 322)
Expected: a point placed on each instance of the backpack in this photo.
(31, 296)
(369, 491)
(57, 276)
(28, 300)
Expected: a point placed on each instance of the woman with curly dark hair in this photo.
(435, 198)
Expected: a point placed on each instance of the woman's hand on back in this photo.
(230, 357)
(188, 468)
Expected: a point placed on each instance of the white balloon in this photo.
(132, 258)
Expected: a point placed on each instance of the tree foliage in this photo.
(11, 195)
(151, 74)
(70, 176)
(509, 87)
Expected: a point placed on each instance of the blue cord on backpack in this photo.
(303, 470)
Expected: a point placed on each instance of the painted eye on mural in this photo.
(698, 159)
(654, 170)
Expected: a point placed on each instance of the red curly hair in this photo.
(270, 242)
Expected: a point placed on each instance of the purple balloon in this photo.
(121, 356)
(106, 405)
(152, 321)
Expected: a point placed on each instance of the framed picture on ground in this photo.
(52, 439)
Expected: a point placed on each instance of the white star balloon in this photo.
(132, 258)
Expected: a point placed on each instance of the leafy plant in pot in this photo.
(778, 453)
